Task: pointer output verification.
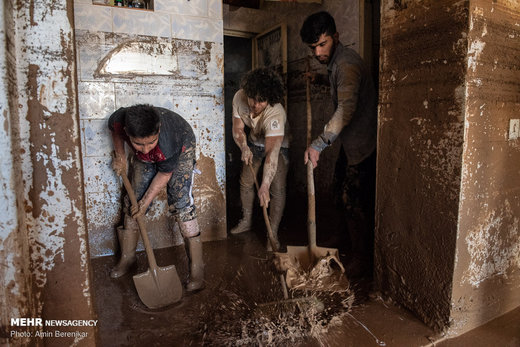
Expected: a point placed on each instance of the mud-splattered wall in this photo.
(447, 237)
(487, 267)
(43, 244)
(169, 57)
(423, 51)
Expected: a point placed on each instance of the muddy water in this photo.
(242, 303)
(239, 306)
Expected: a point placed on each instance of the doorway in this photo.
(237, 61)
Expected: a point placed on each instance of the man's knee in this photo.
(188, 224)
(185, 214)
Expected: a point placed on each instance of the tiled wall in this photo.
(188, 33)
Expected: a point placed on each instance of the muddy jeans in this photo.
(277, 188)
(178, 189)
(355, 198)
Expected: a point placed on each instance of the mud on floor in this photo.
(239, 306)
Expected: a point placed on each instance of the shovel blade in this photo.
(159, 287)
(307, 256)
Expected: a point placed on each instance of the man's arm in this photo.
(159, 182)
(272, 150)
(239, 136)
(119, 159)
(349, 78)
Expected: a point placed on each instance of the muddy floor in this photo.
(231, 310)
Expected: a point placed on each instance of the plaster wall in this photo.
(43, 242)
(15, 275)
(170, 57)
(487, 268)
(421, 133)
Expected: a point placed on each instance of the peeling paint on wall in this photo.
(493, 246)
(48, 249)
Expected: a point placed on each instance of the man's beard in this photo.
(323, 61)
(327, 57)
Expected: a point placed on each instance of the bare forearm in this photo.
(270, 166)
(239, 136)
(159, 182)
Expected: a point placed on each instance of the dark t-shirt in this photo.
(175, 137)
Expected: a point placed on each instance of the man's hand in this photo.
(263, 195)
(312, 155)
(118, 164)
(247, 155)
(310, 75)
(140, 210)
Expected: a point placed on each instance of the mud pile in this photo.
(251, 311)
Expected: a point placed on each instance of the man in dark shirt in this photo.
(163, 145)
(354, 121)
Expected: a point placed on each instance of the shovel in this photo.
(158, 286)
(270, 235)
(308, 256)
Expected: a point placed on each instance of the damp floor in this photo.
(239, 275)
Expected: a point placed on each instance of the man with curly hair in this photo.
(163, 145)
(257, 105)
(354, 123)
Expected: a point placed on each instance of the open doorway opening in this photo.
(237, 61)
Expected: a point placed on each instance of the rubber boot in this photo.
(245, 223)
(128, 242)
(196, 281)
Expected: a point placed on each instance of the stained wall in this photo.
(447, 232)
(43, 234)
(487, 264)
(170, 57)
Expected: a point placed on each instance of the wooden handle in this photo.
(311, 214)
(266, 216)
(308, 95)
(140, 222)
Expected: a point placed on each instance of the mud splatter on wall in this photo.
(487, 277)
(421, 129)
(44, 245)
(175, 63)
(447, 173)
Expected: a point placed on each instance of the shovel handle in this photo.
(270, 235)
(311, 213)
(308, 96)
(266, 217)
(140, 222)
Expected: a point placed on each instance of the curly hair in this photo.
(315, 25)
(263, 84)
(141, 121)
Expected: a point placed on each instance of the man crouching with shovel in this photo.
(163, 146)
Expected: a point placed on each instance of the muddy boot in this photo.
(196, 281)
(128, 242)
(244, 224)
